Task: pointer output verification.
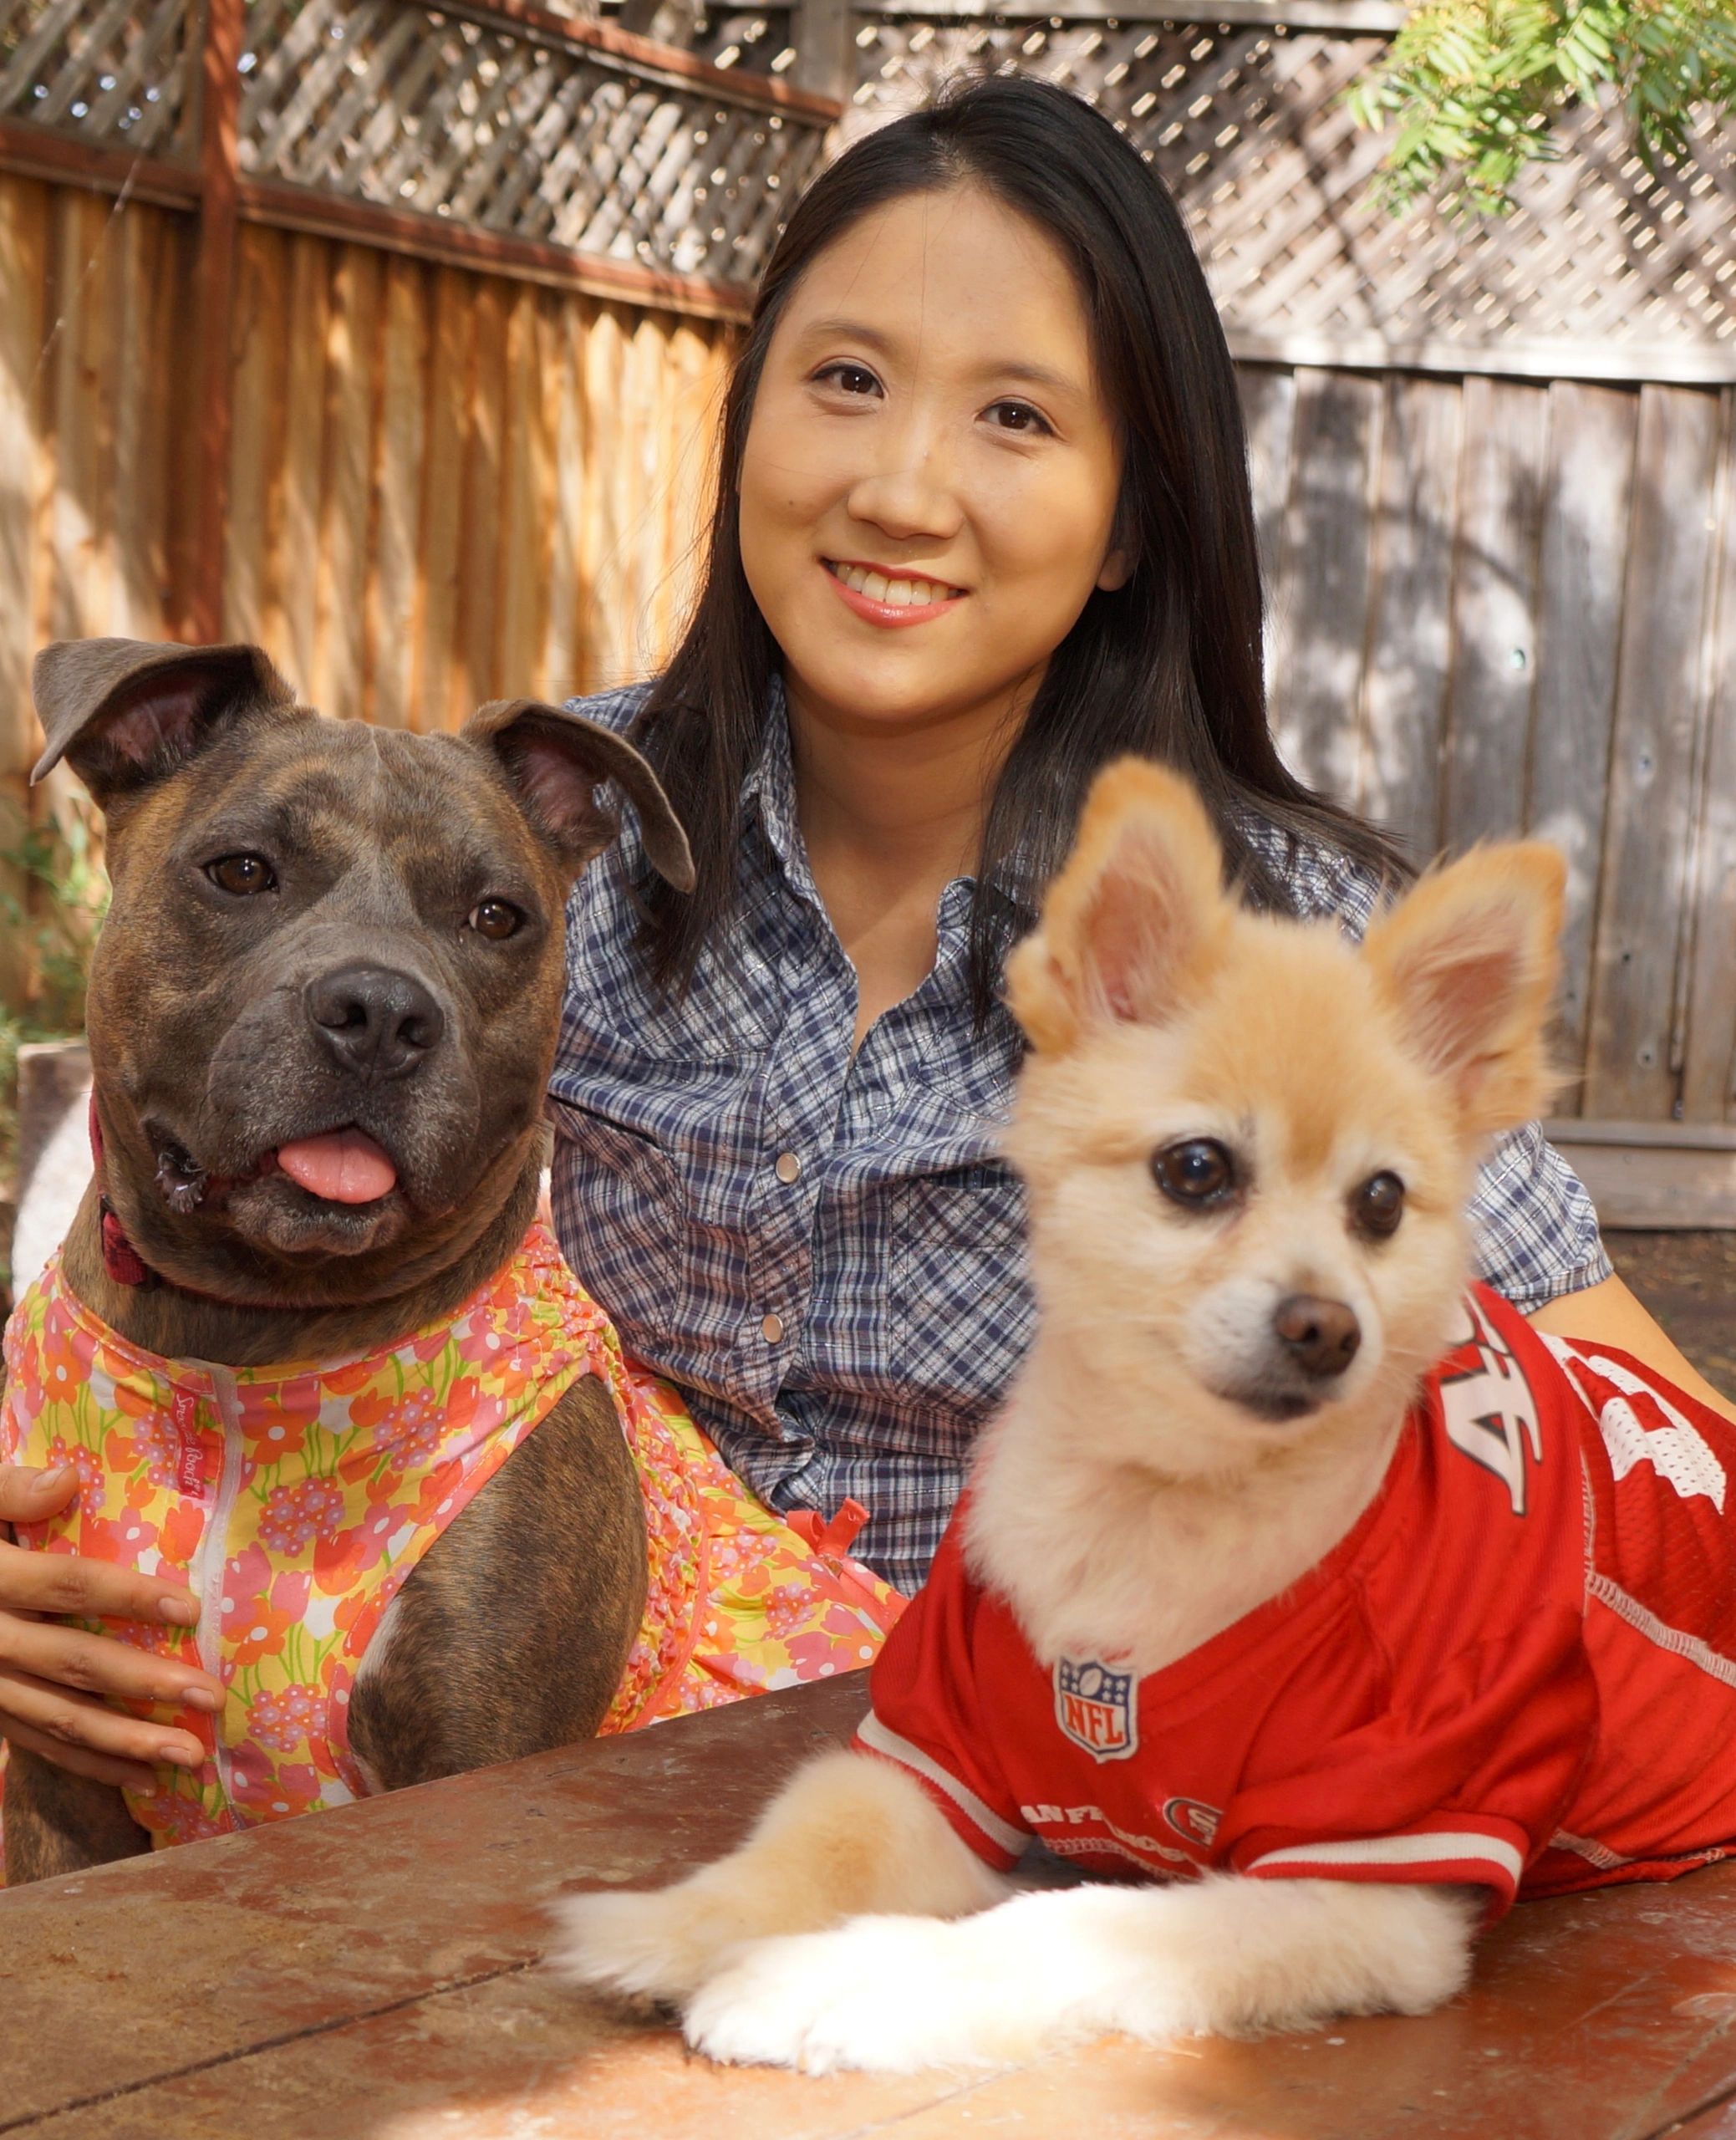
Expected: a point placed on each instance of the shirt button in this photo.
(788, 1166)
(772, 1329)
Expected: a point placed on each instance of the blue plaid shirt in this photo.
(826, 1254)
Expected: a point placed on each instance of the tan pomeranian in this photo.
(1302, 1589)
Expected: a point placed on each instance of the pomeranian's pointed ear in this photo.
(1137, 914)
(124, 712)
(1467, 961)
(556, 760)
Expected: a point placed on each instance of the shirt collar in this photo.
(770, 788)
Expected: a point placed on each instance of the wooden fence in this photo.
(423, 309)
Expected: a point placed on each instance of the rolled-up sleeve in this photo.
(1535, 1230)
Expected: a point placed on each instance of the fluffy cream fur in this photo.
(1128, 1501)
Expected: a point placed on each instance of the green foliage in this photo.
(1475, 88)
(57, 926)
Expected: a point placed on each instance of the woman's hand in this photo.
(53, 1678)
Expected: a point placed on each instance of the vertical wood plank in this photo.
(1320, 628)
(144, 594)
(1268, 396)
(599, 563)
(526, 481)
(1708, 1081)
(568, 597)
(1643, 895)
(1495, 610)
(251, 544)
(82, 381)
(1587, 500)
(351, 351)
(1410, 638)
(298, 510)
(23, 275)
(224, 29)
(443, 493)
(476, 645)
(394, 582)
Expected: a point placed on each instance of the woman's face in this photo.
(931, 476)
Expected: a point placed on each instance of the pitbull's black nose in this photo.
(376, 1023)
(1321, 1337)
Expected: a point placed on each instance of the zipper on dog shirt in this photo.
(214, 1557)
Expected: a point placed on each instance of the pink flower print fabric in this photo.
(293, 1501)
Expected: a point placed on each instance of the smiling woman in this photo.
(983, 525)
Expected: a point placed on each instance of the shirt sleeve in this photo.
(927, 1719)
(1464, 1787)
(1536, 1232)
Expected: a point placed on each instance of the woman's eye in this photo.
(494, 918)
(850, 379)
(1199, 1171)
(242, 875)
(1378, 1206)
(1017, 416)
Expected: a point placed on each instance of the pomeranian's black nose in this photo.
(1321, 1337)
(376, 1023)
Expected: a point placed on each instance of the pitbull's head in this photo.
(324, 1003)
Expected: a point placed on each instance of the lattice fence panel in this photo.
(410, 108)
(117, 73)
(759, 41)
(1248, 126)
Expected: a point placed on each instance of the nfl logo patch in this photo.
(1095, 1707)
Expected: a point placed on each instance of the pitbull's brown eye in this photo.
(1199, 1172)
(1378, 1206)
(242, 875)
(495, 919)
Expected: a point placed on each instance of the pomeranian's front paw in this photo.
(656, 1947)
(883, 1994)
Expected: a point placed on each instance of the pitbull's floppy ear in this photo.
(556, 761)
(124, 713)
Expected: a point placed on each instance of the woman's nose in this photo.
(913, 494)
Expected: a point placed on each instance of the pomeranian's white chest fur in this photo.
(1100, 1557)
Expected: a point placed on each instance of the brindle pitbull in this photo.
(345, 945)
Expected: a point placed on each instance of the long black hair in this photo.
(1167, 667)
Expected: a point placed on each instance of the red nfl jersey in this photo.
(1517, 1669)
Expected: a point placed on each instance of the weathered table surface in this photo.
(370, 1974)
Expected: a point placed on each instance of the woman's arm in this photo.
(1609, 1311)
(53, 1678)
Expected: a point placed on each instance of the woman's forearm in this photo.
(1609, 1312)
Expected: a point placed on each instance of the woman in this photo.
(983, 524)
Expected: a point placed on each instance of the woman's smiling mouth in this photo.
(884, 599)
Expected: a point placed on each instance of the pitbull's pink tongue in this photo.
(344, 1167)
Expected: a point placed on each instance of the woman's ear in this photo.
(1132, 921)
(1118, 570)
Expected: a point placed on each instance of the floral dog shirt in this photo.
(293, 1501)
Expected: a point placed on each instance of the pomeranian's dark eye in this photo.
(494, 918)
(1378, 1206)
(242, 875)
(1199, 1172)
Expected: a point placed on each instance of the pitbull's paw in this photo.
(653, 1948)
(883, 1994)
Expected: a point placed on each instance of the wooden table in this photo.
(370, 1974)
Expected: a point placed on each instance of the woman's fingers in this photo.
(72, 1729)
(102, 1768)
(89, 1590)
(28, 1495)
(97, 1665)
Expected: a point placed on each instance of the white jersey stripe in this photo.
(874, 1734)
(1437, 1848)
(1675, 1640)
